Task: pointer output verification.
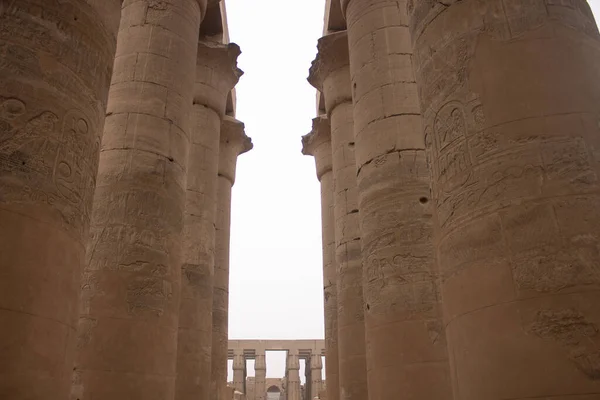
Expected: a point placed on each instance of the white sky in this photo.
(276, 266)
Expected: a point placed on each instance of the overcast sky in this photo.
(276, 270)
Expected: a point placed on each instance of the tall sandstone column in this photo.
(510, 93)
(316, 375)
(127, 338)
(330, 74)
(56, 62)
(239, 368)
(233, 142)
(318, 144)
(260, 372)
(292, 388)
(406, 346)
(216, 75)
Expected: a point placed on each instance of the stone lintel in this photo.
(216, 74)
(330, 71)
(318, 144)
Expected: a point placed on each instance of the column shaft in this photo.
(318, 144)
(197, 272)
(127, 336)
(239, 367)
(55, 71)
(233, 142)
(221, 290)
(316, 375)
(260, 373)
(216, 75)
(407, 356)
(510, 93)
(330, 74)
(292, 389)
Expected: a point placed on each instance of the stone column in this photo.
(407, 355)
(260, 373)
(510, 93)
(239, 367)
(330, 74)
(318, 144)
(216, 75)
(233, 142)
(55, 70)
(127, 337)
(307, 377)
(316, 375)
(292, 388)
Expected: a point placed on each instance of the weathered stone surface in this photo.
(233, 142)
(406, 345)
(56, 61)
(510, 93)
(318, 144)
(127, 337)
(330, 74)
(216, 75)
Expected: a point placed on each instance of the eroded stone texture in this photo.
(233, 142)
(510, 93)
(56, 61)
(127, 338)
(318, 144)
(406, 346)
(330, 74)
(216, 75)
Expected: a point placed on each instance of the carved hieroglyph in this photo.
(330, 74)
(216, 75)
(127, 338)
(406, 347)
(510, 92)
(233, 142)
(56, 61)
(318, 144)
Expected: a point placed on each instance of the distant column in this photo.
(407, 354)
(260, 373)
(56, 63)
(216, 75)
(127, 336)
(233, 142)
(510, 94)
(293, 376)
(318, 144)
(239, 366)
(330, 74)
(316, 375)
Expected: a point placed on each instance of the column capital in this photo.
(330, 71)
(233, 142)
(316, 362)
(216, 74)
(239, 361)
(260, 362)
(318, 144)
(293, 361)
